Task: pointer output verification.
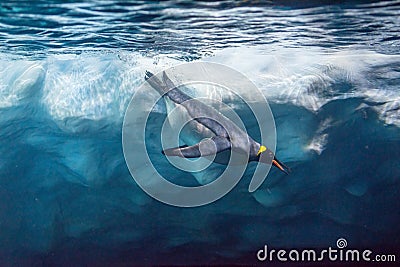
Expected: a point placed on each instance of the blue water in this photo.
(68, 69)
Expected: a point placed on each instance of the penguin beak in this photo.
(280, 165)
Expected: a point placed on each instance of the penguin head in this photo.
(265, 155)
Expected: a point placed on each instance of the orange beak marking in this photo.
(278, 165)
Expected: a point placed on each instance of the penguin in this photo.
(220, 136)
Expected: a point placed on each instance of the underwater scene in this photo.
(329, 70)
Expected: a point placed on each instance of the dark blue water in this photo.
(331, 73)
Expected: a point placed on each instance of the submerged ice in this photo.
(65, 187)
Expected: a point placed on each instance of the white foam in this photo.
(19, 80)
(320, 138)
(389, 109)
(87, 87)
(100, 85)
(307, 78)
(94, 86)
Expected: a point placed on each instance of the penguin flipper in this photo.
(206, 147)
